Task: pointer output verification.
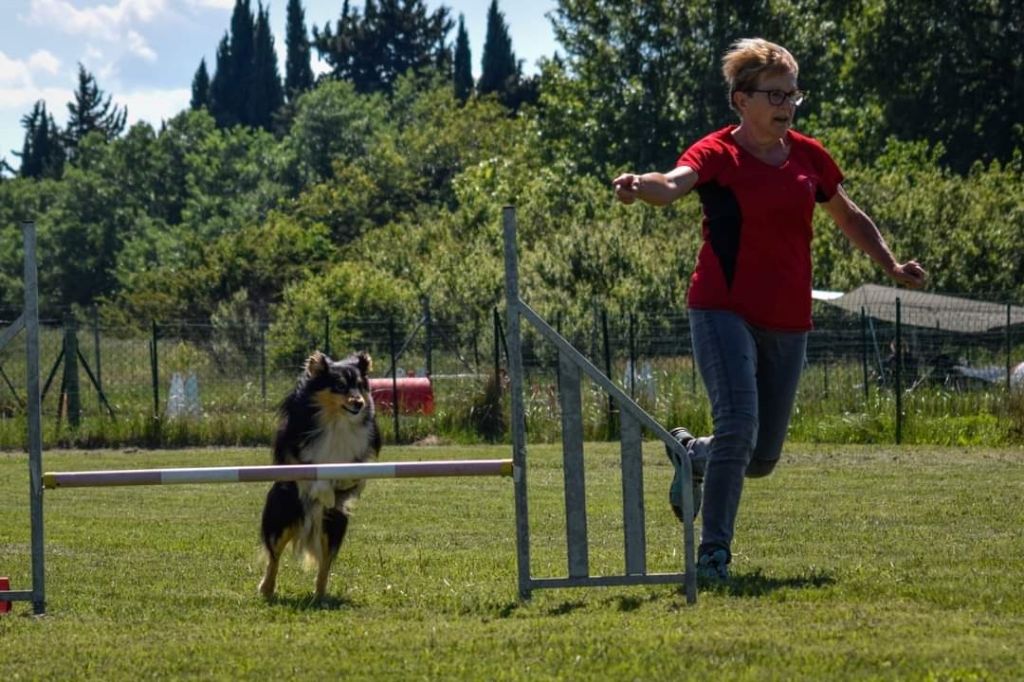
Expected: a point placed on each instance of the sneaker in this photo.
(675, 491)
(713, 566)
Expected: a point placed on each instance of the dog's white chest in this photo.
(338, 443)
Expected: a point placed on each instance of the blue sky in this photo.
(145, 52)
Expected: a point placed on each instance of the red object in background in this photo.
(5, 584)
(415, 394)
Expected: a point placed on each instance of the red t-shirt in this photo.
(756, 257)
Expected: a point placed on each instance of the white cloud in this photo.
(212, 4)
(19, 72)
(15, 102)
(45, 61)
(154, 105)
(110, 23)
(137, 45)
(93, 54)
(14, 71)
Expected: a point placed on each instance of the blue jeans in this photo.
(751, 376)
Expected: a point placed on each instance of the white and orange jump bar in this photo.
(284, 472)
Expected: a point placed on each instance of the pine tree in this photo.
(42, 153)
(91, 112)
(463, 74)
(201, 87)
(500, 72)
(298, 72)
(265, 95)
(222, 87)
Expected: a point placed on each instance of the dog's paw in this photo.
(267, 588)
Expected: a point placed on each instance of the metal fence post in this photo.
(497, 348)
(518, 411)
(898, 371)
(71, 394)
(612, 422)
(824, 367)
(153, 360)
(394, 376)
(263, 362)
(693, 362)
(632, 356)
(35, 428)
(1009, 368)
(476, 342)
(428, 334)
(96, 343)
(864, 350)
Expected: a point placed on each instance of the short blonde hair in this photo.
(748, 58)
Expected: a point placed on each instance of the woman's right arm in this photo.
(657, 189)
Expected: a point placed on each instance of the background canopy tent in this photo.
(923, 309)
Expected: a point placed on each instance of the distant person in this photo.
(750, 293)
(907, 365)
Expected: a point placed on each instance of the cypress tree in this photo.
(222, 87)
(31, 164)
(91, 112)
(390, 37)
(463, 75)
(42, 153)
(265, 95)
(201, 87)
(500, 71)
(243, 47)
(298, 72)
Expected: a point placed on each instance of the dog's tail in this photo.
(309, 544)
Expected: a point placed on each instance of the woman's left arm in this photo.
(864, 234)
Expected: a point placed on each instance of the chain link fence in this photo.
(859, 362)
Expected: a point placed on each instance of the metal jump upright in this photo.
(571, 366)
(29, 321)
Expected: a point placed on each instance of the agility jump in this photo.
(298, 472)
(572, 367)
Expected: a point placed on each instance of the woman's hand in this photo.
(627, 187)
(656, 189)
(910, 274)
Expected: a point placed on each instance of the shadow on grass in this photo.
(566, 607)
(311, 603)
(757, 584)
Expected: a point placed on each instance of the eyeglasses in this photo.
(778, 97)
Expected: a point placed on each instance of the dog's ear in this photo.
(364, 362)
(317, 364)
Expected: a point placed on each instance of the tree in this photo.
(243, 49)
(641, 80)
(947, 72)
(200, 87)
(90, 112)
(375, 47)
(298, 72)
(246, 87)
(42, 154)
(463, 73)
(265, 95)
(222, 87)
(232, 81)
(499, 69)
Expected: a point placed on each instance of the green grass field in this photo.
(851, 563)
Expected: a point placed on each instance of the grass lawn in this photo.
(850, 563)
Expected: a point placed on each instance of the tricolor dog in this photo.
(327, 418)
